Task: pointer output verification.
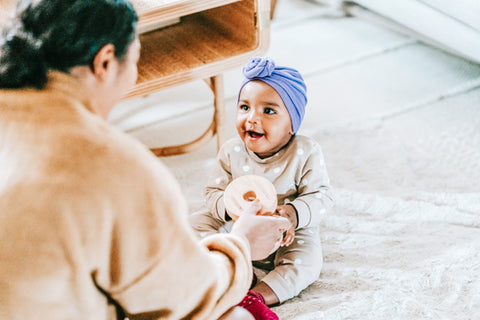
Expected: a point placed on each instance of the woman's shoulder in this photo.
(91, 142)
(123, 151)
(120, 162)
(61, 138)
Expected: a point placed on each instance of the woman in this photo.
(92, 225)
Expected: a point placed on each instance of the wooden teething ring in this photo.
(242, 191)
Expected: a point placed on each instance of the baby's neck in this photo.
(271, 154)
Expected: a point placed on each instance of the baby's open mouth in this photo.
(255, 135)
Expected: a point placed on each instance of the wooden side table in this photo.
(205, 39)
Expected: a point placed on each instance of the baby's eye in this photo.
(244, 107)
(269, 111)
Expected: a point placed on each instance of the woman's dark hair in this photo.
(59, 35)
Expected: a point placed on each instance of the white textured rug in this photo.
(403, 241)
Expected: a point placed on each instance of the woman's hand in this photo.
(288, 211)
(264, 233)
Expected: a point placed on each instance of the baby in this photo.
(270, 109)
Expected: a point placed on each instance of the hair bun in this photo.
(21, 62)
(258, 67)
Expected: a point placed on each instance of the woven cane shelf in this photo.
(202, 40)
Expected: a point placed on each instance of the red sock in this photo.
(254, 303)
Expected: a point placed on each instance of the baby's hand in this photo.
(289, 212)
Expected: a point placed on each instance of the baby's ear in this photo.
(291, 131)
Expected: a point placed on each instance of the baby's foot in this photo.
(254, 303)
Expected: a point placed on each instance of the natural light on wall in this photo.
(453, 26)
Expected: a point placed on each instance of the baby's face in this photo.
(263, 122)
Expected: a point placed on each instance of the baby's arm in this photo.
(315, 196)
(220, 177)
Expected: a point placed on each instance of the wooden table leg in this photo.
(219, 104)
(273, 3)
(217, 127)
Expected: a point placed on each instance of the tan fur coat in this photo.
(83, 205)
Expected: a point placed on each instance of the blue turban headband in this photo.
(288, 83)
